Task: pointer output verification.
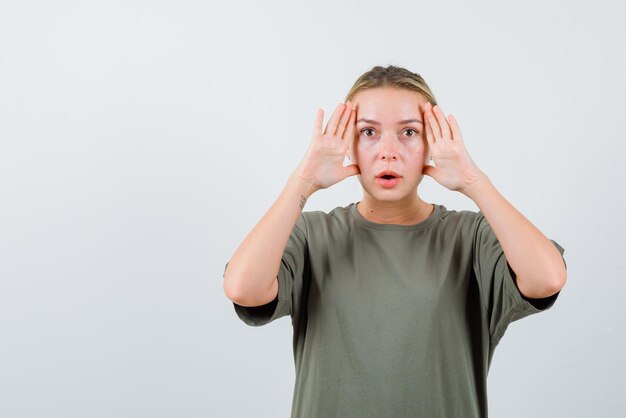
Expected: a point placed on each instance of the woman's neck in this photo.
(408, 211)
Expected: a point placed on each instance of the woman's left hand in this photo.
(454, 169)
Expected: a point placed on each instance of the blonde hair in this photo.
(391, 76)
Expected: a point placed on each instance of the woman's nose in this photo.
(389, 156)
(388, 150)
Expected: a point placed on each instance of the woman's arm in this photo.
(250, 278)
(538, 265)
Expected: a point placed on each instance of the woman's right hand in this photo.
(322, 165)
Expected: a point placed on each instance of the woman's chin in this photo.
(389, 194)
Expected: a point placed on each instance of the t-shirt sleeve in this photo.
(501, 298)
(294, 263)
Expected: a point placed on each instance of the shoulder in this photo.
(320, 223)
(339, 214)
(460, 219)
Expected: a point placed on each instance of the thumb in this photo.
(429, 170)
(351, 170)
(319, 122)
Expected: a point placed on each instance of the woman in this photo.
(397, 304)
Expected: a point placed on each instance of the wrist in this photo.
(305, 186)
(477, 186)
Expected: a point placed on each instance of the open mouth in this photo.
(388, 178)
(388, 175)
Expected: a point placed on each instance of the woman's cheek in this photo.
(365, 149)
(417, 148)
(424, 152)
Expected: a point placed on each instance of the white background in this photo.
(141, 141)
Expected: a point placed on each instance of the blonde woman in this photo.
(397, 304)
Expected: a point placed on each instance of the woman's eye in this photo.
(367, 130)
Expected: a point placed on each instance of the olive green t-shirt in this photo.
(394, 320)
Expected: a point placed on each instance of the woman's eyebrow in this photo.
(402, 122)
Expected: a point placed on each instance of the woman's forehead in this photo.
(391, 108)
(391, 101)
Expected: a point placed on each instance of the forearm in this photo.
(537, 263)
(254, 266)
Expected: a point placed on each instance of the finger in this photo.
(434, 125)
(443, 122)
(331, 126)
(348, 135)
(319, 120)
(351, 136)
(351, 170)
(345, 117)
(456, 131)
(430, 136)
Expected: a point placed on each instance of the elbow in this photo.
(230, 285)
(229, 291)
(559, 280)
(555, 285)
(542, 288)
(236, 294)
(559, 275)
(244, 293)
(249, 298)
(235, 289)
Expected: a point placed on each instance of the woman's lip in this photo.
(388, 172)
(388, 183)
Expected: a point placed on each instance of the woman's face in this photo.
(390, 145)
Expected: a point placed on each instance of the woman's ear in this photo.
(350, 157)
(351, 154)
(426, 152)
